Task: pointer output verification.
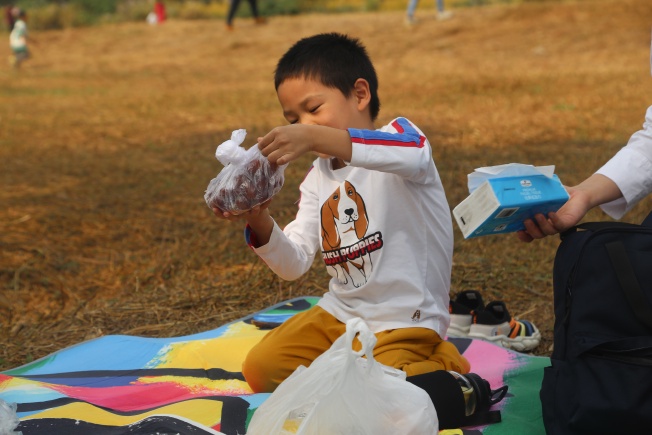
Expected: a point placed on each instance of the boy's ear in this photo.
(362, 93)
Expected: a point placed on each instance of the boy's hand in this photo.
(258, 219)
(248, 215)
(286, 143)
(289, 142)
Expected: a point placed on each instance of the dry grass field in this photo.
(107, 138)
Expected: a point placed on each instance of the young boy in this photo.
(372, 202)
(18, 38)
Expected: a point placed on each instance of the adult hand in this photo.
(568, 215)
(595, 190)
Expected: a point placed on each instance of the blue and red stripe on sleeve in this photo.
(406, 136)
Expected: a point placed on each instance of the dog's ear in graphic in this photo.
(329, 234)
(362, 223)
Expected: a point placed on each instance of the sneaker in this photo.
(495, 324)
(461, 309)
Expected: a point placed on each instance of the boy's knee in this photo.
(262, 371)
(253, 370)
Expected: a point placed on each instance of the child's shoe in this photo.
(495, 324)
(461, 309)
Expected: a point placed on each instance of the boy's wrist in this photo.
(332, 142)
(261, 226)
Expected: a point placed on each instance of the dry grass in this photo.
(107, 137)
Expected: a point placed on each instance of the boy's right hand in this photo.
(258, 218)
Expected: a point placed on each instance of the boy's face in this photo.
(307, 101)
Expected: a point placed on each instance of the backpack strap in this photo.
(628, 282)
(597, 226)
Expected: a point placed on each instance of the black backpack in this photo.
(600, 380)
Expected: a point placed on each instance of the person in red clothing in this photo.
(10, 20)
(159, 11)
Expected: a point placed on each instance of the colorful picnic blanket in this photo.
(117, 384)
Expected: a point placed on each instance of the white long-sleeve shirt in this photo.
(631, 170)
(384, 230)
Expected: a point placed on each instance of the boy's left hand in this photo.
(286, 143)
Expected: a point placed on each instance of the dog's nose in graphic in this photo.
(348, 211)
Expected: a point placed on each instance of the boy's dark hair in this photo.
(335, 60)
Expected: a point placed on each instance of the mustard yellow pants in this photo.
(305, 336)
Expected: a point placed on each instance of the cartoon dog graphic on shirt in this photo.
(344, 223)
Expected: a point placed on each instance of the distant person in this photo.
(616, 187)
(233, 8)
(159, 11)
(158, 14)
(9, 17)
(441, 13)
(18, 38)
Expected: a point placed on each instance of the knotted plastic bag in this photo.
(8, 419)
(248, 179)
(343, 393)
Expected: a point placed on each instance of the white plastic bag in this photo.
(247, 179)
(344, 394)
(8, 419)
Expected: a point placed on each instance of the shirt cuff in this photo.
(252, 240)
(630, 170)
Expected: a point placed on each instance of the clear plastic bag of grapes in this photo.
(248, 179)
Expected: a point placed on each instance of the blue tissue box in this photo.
(500, 205)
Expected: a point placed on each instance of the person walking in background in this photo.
(233, 8)
(441, 13)
(18, 38)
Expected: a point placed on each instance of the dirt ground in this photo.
(107, 138)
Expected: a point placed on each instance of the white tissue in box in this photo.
(502, 202)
